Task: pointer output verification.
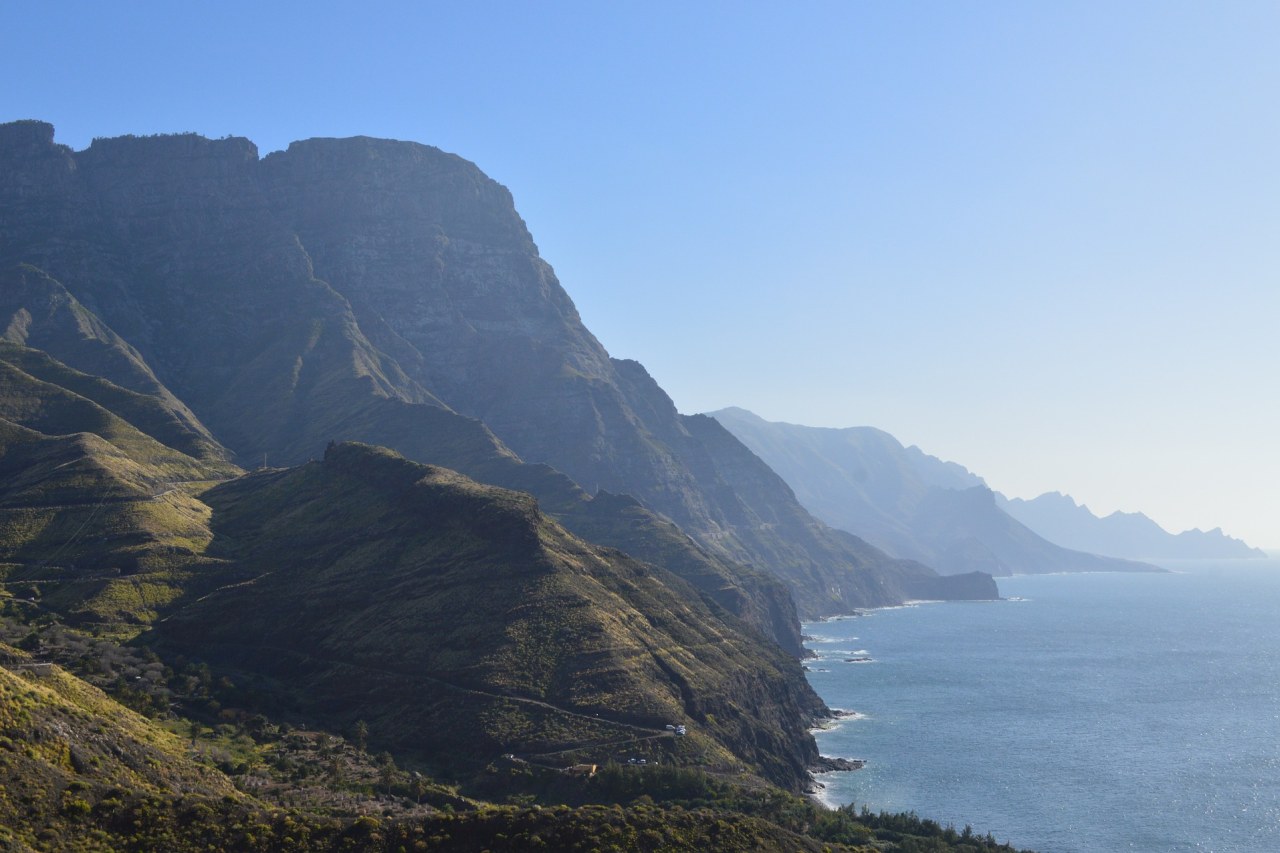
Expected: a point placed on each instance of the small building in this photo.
(585, 771)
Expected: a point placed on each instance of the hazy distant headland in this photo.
(914, 505)
(1123, 534)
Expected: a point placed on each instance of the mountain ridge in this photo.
(1124, 534)
(402, 579)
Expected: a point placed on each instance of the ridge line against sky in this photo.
(1041, 240)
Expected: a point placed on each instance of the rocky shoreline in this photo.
(831, 764)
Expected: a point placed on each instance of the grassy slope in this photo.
(437, 436)
(66, 748)
(149, 414)
(91, 534)
(97, 519)
(39, 313)
(51, 408)
(445, 612)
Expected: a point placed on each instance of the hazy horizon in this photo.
(1036, 240)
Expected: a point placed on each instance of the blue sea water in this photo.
(1092, 712)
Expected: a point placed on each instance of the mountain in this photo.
(108, 518)
(456, 618)
(470, 622)
(165, 319)
(900, 499)
(1120, 534)
(462, 623)
(380, 291)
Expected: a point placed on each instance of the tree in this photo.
(386, 770)
(361, 735)
(418, 786)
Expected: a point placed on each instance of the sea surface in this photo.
(1090, 712)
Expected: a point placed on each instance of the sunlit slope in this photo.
(38, 313)
(42, 395)
(69, 756)
(90, 534)
(462, 623)
(148, 414)
(98, 520)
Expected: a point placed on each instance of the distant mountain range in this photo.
(1124, 534)
(914, 505)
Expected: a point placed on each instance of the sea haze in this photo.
(1089, 712)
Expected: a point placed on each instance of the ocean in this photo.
(1088, 712)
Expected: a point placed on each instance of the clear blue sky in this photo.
(1040, 239)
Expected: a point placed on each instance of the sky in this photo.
(1038, 239)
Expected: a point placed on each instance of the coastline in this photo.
(829, 763)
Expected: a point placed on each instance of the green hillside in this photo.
(462, 624)
(39, 313)
(98, 520)
(79, 772)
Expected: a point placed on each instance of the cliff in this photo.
(344, 289)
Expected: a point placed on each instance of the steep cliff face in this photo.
(357, 288)
(170, 242)
(431, 251)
